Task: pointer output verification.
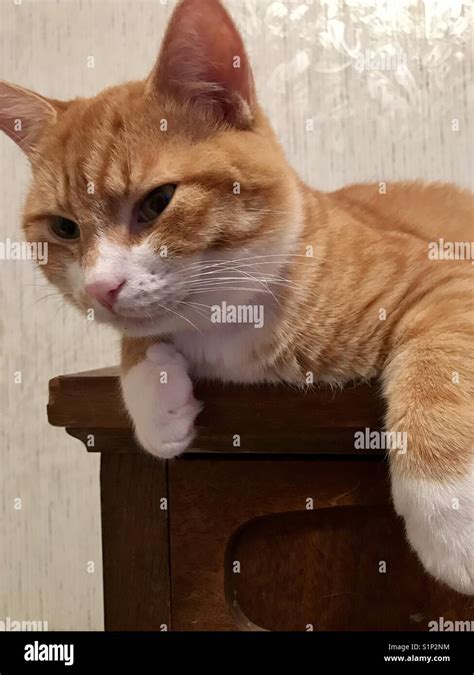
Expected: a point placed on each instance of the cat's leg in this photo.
(428, 384)
(158, 395)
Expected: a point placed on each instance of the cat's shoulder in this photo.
(427, 209)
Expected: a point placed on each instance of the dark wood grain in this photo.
(267, 419)
(336, 568)
(135, 542)
(298, 567)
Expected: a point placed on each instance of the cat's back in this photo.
(426, 210)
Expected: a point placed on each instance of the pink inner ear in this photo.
(203, 58)
(24, 115)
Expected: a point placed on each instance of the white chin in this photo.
(146, 327)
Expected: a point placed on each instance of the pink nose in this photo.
(105, 292)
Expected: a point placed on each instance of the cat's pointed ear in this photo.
(24, 115)
(203, 62)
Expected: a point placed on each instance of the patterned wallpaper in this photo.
(356, 89)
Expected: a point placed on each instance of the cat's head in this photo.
(147, 192)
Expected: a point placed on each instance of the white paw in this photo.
(439, 519)
(158, 394)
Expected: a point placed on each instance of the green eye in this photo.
(65, 228)
(155, 203)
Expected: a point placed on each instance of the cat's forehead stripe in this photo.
(109, 157)
(93, 160)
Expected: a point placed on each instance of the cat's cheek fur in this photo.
(439, 519)
(158, 395)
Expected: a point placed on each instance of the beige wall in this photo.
(339, 120)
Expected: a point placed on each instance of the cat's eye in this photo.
(155, 203)
(65, 228)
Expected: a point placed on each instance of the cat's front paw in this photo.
(158, 394)
(439, 520)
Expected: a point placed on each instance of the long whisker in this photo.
(201, 313)
(227, 269)
(200, 304)
(58, 296)
(217, 283)
(267, 280)
(224, 261)
(181, 317)
(211, 280)
(264, 284)
(252, 290)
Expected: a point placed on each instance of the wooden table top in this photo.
(263, 419)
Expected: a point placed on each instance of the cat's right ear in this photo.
(24, 115)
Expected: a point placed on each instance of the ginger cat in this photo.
(163, 198)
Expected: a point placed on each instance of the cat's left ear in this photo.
(203, 64)
(24, 115)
